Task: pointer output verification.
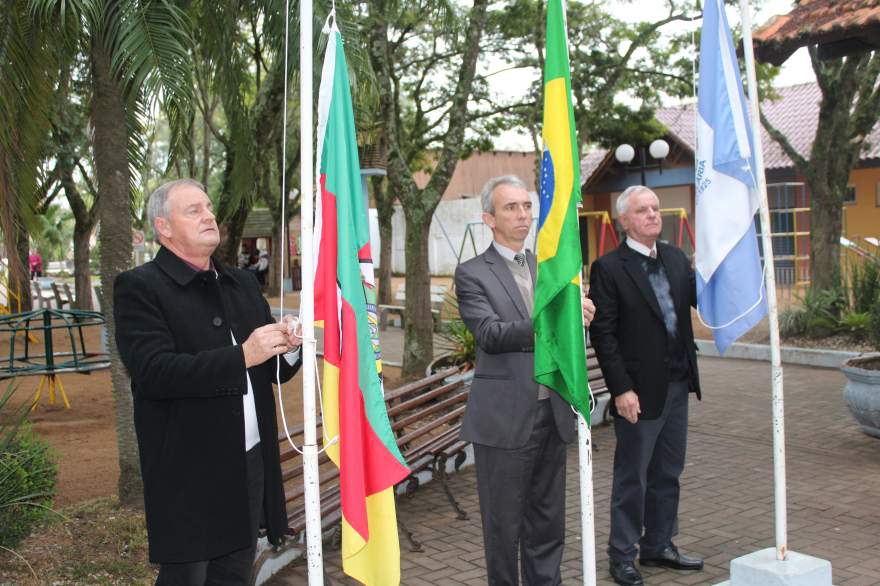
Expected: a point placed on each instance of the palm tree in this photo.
(139, 50)
(26, 60)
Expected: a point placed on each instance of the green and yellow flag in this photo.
(560, 354)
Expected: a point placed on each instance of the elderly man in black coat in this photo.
(644, 341)
(202, 349)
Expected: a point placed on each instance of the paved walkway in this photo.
(727, 490)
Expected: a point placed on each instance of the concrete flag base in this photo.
(761, 568)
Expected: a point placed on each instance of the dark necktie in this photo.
(520, 259)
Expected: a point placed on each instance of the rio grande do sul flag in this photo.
(354, 407)
(560, 355)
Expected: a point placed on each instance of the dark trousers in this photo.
(233, 568)
(648, 461)
(522, 504)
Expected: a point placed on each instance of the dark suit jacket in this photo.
(628, 332)
(172, 330)
(503, 401)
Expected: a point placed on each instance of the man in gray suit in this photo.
(519, 428)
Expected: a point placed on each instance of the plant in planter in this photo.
(862, 391)
(456, 341)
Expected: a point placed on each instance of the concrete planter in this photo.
(862, 393)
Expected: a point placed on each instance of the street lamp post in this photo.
(658, 149)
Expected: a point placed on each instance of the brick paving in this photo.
(727, 490)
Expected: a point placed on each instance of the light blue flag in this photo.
(730, 286)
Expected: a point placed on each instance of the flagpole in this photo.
(310, 446)
(588, 534)
(770, 280)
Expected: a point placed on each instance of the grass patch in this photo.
(96, 542)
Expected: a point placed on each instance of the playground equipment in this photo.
(68, 325)
(606, 229)
(684, 226)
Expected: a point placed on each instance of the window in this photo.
(849, 197)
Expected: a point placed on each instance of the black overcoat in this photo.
(173, 333)
(628, 332)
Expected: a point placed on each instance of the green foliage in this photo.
(856, 323)
(27, 476)
(456, 338)
(874, 325)
(865, 285)
(792, 322)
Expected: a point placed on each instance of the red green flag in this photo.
(366, 453)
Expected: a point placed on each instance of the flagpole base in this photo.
(761, 568)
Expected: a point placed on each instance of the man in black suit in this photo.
(644, 341)
(202, 349)
(519, 429)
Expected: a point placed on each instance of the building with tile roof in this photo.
(795, 114)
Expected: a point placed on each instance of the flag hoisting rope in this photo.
(310, 448)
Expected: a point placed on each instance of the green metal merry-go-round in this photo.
(29, 356)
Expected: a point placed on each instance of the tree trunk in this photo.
(385, 211)
(19, 280)
(418, 350)
(231, 231)
(82, 278)
(18, 288)
(108, 115)
(273, 277)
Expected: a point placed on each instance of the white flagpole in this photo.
(310, 445)
(770, 281)
(588, 535)
(585, 470)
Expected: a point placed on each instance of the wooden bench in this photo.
(425, 416)
(597, 382)
(385, 309)
(60, 298)
(426, 419)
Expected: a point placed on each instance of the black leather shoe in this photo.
(671, 558)
(625, 573)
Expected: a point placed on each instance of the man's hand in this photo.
(294, 331)
(628, 406)
(268, 341)
(589, 311)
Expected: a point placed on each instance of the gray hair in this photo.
(491, 184)
(622, 203)
(157, 205)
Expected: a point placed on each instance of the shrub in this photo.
(865, 285)
(27, 476)
(856, 323)
(792, 322)
(874, 325)
(456, 339)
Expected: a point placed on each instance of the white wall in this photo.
(448, 229)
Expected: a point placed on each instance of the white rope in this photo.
(285, 244)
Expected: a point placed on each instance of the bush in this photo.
(865, 284)
(856, 324)
(874, 325)
(792, 323)
(455, 338)
(27, 476)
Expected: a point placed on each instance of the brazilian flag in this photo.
(560, 354)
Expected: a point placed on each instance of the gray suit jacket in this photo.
(503, 398)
